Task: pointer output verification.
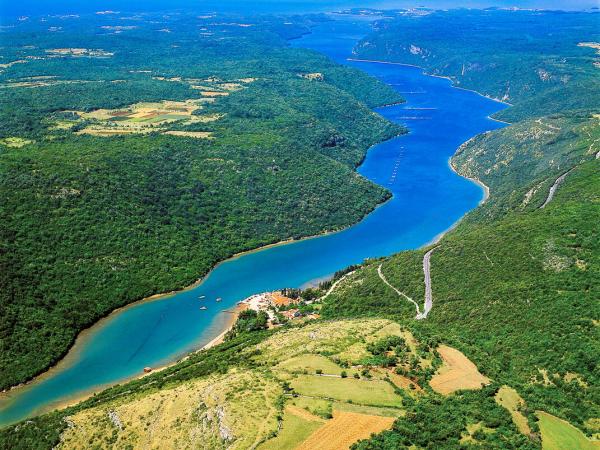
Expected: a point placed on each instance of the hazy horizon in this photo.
(37, 8)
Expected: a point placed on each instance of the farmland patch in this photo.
(558, 434)
(345, 429)
(457, 373)
(141, 118)
(363, 392)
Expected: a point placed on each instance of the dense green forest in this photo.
(533, 59)
(515, 286)
(90, 223)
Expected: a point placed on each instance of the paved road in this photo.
(554, 187)
(428, 294)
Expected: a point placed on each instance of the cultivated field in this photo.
(310, 364)
(298, 424)
(558, 434)
(345, 429)
(363, 392)
(141, 118)
(457, 373)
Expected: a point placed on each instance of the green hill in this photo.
(532, 59)
(102, 205)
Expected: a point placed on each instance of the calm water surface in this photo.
(428, 199)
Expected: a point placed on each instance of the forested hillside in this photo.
(137, 152)
(513, 325)
(515, 286)
(540, 61)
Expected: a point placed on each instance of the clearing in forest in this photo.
(558, 434)
(457, 373)
(15, 142)
(512, 401)
(141, 118)
(345, 429)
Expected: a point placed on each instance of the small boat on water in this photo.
(219, 299)
(202, 296)
(202, 308)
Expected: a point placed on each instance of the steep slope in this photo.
(515, 288)
(540, 61)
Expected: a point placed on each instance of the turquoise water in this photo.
(428, 198)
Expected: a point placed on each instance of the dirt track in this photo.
(400, 293)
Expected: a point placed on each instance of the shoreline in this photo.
(69, 356)
(425, 72)
(486, 195)
(229, 323)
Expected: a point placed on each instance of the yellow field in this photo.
(15, 142)
(141, 118)
(457, 373)
(344, 430)
(558, 434)
(512, 401)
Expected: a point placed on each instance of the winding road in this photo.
(428, 293)
(334, 285)
(554, 187)
(400, 293)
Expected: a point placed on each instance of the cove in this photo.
(428, 198)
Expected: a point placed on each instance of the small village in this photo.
(281, 308)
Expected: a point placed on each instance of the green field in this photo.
(512, 401)
(293, 431)
(310, 364)
(370, 410)
(558, 434)
(375, 393)
(317, 406)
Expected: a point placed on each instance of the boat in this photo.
(202, 296)
(203, 308)
(219, 299)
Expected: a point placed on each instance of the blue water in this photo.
(428, 198)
